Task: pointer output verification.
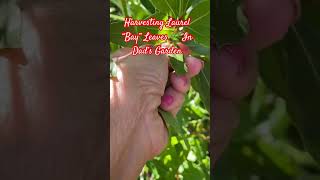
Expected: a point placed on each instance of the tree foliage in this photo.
(278, 137)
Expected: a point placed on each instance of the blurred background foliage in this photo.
(10, 24)
(278, 135)
(186, 156)
(266, 145)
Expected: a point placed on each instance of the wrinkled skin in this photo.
(138, 133)
(235, 68)
(134, 99)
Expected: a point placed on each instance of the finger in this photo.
(194, 66)
(172, 100)
(184, 48)
(234, 72)
(269, 20)
(181, 83)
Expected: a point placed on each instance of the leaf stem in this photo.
(124, 7)
(116, 17)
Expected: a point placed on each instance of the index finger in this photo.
(194, 66)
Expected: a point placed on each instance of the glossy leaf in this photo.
(174, 8)
(226, 25)
(116, 29)
(200, 26)
(174, 125)
(148, 5)
(304, 85)
(198, 49)
(167, 6)
(201, 83)
(178, 66)
(274, 58)
(295, 76)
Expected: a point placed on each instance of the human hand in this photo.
(138, 133)
(235, 66)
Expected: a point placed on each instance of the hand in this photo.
(138, 133)
(235, 69)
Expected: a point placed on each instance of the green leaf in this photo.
(172, 7)
(198, 49)
(274, 58)
(294, 73)
(166, 6)
(116, 29)
(113, 47)
(310, 13)
(201, 83)
(226, 25)
(304, 85)
(3, 15)
(175, 8)
(200, 23)
(185, 4)
(137, 10)
(178, 66)
(10, 25)
(278, 157)
(178, 57)
(174, 126)
(3, 22)
(124, 7)
(117, 3)
(148, 5)
(194, 172)
(152, 29)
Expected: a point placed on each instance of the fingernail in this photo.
(167, 100)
